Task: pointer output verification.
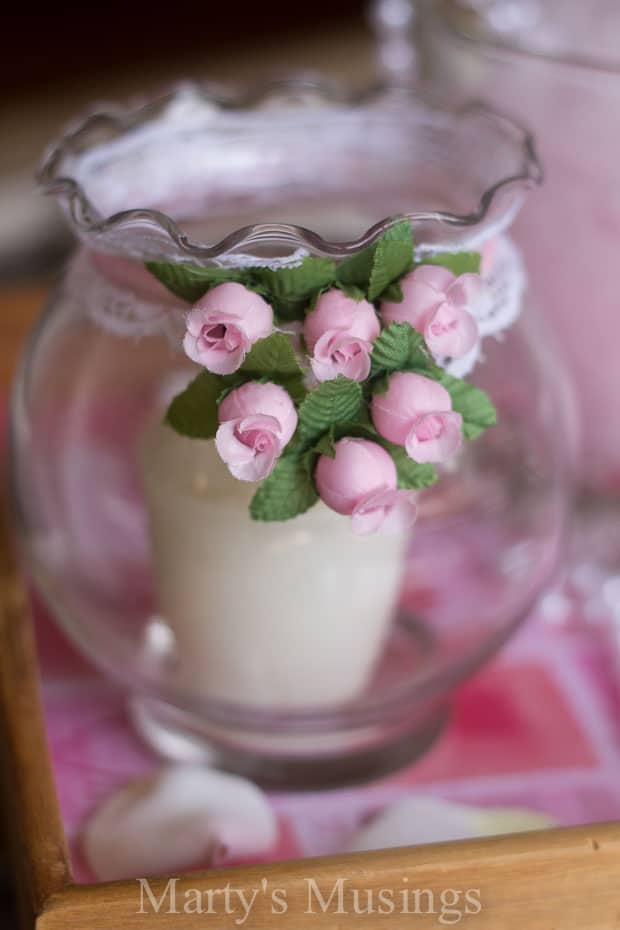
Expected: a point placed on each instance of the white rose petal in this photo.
(180, 817)
(424, 819)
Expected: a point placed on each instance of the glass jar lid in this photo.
(579, 32)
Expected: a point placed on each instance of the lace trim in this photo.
(125, 314)
(117, 310)
(500, 306)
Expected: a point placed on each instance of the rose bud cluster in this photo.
(438, 304)
(257, 419)
(339, 333)
(361, 481)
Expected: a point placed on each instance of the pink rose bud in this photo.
(224, 325)
(416, 412)
(339, 332)
(437, 303)
(386, 512)
(256, 423)
(361, 481)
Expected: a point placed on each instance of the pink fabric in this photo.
(539, 728)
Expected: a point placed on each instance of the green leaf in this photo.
(331, 403)
(457, 262)
(393, 293)
(274, 359)
(380, 384)
(287, 492)
(193, 412)
(375, 268)
(272, 356)
(411, 475)
(356, 271)
(351, 290)
(393, 258)
(399, 232)
(311, 303)
(295, 387)
(472, 403)
(356, 429)
(290, 289)
(190, 282)
(270, 359)
(399, 347)
(326, 445)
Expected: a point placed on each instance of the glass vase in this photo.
(294, 651)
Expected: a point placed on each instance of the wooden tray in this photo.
(565, 879)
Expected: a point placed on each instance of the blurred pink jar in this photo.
(554, 64)
(550, 64)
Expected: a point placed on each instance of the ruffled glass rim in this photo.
(121, 119)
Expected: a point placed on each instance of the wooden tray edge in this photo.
(35, 833)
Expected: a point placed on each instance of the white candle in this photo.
(291, 614)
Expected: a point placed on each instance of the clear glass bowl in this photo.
(305, 673)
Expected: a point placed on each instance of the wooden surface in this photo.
(35, 833)
(33, 827)
(552, 880)
(19, 307)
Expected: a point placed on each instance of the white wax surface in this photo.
(288, 614)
